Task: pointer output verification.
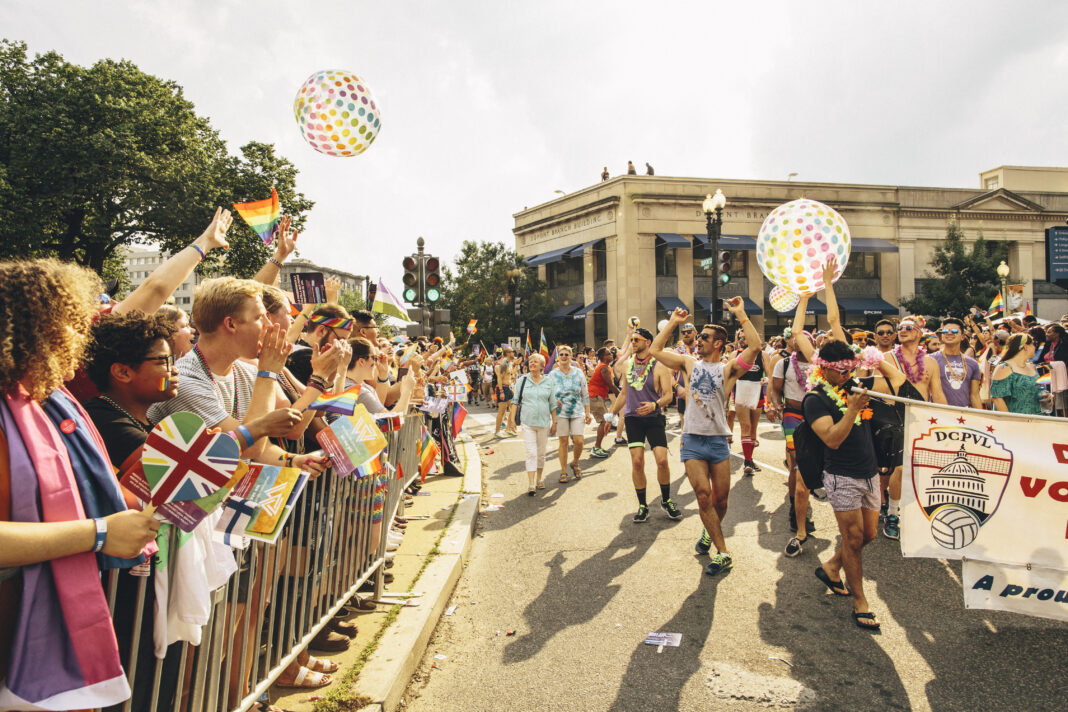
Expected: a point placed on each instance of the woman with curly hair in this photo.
(60, 507)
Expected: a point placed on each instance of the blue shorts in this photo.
(711, 448)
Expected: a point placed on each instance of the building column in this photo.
(614, 262)
(1021, 262)
(906, 272)
(756, 288)
(588, 274)
(684, 272)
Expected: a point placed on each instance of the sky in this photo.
(489, 107)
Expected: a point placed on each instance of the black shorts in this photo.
(504, 394)
(681, 403)
(651, 428)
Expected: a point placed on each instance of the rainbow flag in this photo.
(458, 415)
(544, 348)
(407, 354)
(372, 467)
(997, 306)
(471, 328)
(529, 348)
(340, 403)
(552, 360)
(1045, 379)
(262, 216)
(428, 454)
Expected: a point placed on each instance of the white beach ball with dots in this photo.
(796, 240)
(337, 113)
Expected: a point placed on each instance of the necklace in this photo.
(122, 410)
(798, 372)
(921, 354)
(955, 378)
(643, 375)
(839, 397)
(233, 372)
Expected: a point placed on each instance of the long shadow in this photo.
(654, 680)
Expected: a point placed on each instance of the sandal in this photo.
(563, 477)
(576, 471)
(872, 624)
(838, 588)
(361, 604)
(530, 491)
(541, 485)
(620, 441)
(320, 665)
(306, 680)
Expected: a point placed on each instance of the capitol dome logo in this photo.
(959, 476)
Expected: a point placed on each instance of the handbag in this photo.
(519, 402)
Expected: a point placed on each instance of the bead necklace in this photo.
(955, 378)
(798, 372)
(838, 395)
(643, 374)
(122, 410)
(233, 372)
(921, 354)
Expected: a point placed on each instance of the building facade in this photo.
(634, 245)
(142, 261)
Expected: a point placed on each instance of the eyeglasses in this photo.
(949, 330)
(906, 327)
(884, 333)
(167, 361)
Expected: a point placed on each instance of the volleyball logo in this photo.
(959, 475)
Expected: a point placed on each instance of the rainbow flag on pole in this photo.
(544, 348)
(471, 328)
(529, 348)
(997, 306)
(340, 403)
(428, 454)
(262, 216)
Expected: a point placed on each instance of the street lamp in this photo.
(713, 205)
(513, 289)
(1003, 272)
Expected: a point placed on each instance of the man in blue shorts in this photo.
(705, 452)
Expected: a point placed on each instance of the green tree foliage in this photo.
(477, 286)
(95, 158)
(353, 301)
(962, 277)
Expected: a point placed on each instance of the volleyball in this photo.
(954, 527)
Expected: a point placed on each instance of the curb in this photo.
(386, 674)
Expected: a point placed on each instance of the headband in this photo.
(330, 322)
(644, 333)
(843, 366)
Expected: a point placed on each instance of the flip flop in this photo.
(541, 485)
(321, 665)
(306, 680)
(869, 616)
(838, 588)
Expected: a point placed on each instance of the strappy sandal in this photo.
(563, 478)
(306, 680)
(577, 472)
(321, 665)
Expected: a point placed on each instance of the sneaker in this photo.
(643, 514)
(502, 433)
(704, 544)
(793, 547)
(891, 529)
(599, 452)
(720, 563)
(748, 467)
(672, 511)
(510, 433)
(756, 467)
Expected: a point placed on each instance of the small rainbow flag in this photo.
(544, 348)
(372, 467)
(471, 328)
(340, 403)
(529, 348)
(1027, 311)
(428, 454)
(262, 216)
(1045, 379)
(407, 354)
(997, 306)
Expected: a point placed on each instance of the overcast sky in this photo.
(488, 107)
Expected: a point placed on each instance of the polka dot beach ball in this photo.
(796, 240)
(337, 113)
(781, 300)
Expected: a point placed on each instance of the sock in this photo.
(891, 511)
(641, 496)
(747, 449)
(665, 492)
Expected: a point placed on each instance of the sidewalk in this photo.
(376, 668)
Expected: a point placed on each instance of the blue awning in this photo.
(673, 239)
(671, 303)
(730, 242)
(871, 244)
(581, 313)
(580, 249)
(868, 307)
(751, 307)
(815, 306)
(565, 310)
(547, 257)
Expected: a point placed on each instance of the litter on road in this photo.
(671, 640)
(450, 610)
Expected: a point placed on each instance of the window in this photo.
(739, 262)
(862, 265)
(600, 263)
(993, 183)
(564, 273)
(665, 260)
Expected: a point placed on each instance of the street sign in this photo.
(514, 342)
(1056, 254)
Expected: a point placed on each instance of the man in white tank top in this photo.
(705, 452)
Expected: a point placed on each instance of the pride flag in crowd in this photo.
(428, 454)
(262, 216)
(997, 306)
(471, 328)
(340, 403)
(543, 349)
(387, 303)
(552, 360)
(1027, 312)
(458, 415)
(529, 348)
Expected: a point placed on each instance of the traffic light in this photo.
(411, 279)
(432, 279)
(724, 266)
(518, 305)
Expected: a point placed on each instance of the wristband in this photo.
(745, 366)
(383, 380)
(288, 459)
(273, 261)
(267, 374)
(101, 534)
(196, 247)
(243, 431)
(743, 323)
(317, 386)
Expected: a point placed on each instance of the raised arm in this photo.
(285, 241)
(752, 338)
(673, 360)
(160, 285)
(801, 342)
(833, 317)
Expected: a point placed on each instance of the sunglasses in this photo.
(906, 327)
(167, 361)
(884, 333)
(949, 330)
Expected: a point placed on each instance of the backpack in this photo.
(808, 448)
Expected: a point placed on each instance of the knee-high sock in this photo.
(747, 448)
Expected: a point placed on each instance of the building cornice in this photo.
(567, 216)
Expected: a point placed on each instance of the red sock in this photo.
(747, 449)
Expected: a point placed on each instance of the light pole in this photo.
(713, 206)
(513, 288)
(1003, 273)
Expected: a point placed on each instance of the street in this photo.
(582, 586)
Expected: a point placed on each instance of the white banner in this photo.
(984, 485)
(1033, 591)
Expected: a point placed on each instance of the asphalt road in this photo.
(582, 586)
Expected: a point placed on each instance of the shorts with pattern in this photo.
(846, 494)
(790, 420)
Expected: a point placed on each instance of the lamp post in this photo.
(1003, 273)
(513, 288)
(713, 207)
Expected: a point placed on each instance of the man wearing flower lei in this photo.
(704, 452)
(646, 392)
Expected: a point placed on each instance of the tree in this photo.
(96, 158)
(477, 286)
(353, 301)
(962, 278)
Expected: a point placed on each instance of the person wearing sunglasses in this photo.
(885, 335)
(1014, 389)
(959, 374)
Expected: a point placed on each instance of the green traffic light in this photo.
(432, 295)
(725, 278)
(409, 296)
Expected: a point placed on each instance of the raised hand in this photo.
(737, 307)
(333, 289)
(679, 316)
(285, 240)
(326, 359)
(828, 271)
(214, 234)
(273, 349)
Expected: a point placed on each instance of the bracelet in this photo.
(383, 380)
(317, 386)
(743, 323)
(273, 261)
(101, 534)
(288, 459)
(267, 374)
(243, 431)
(197, 247)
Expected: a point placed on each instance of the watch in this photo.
(101, 533)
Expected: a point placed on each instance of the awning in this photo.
(578, 251)
(581, 313)
(547, 257)
(871, 306)
(815, 306)
(565, 310)
(671, 303)
(751, 307)
(729, 242)
(871, 244)
(673, 239)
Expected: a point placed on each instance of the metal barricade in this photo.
(282, 596)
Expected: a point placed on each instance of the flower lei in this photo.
(921, 354)
(798, 372)
(644, 375)
(838, 395)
